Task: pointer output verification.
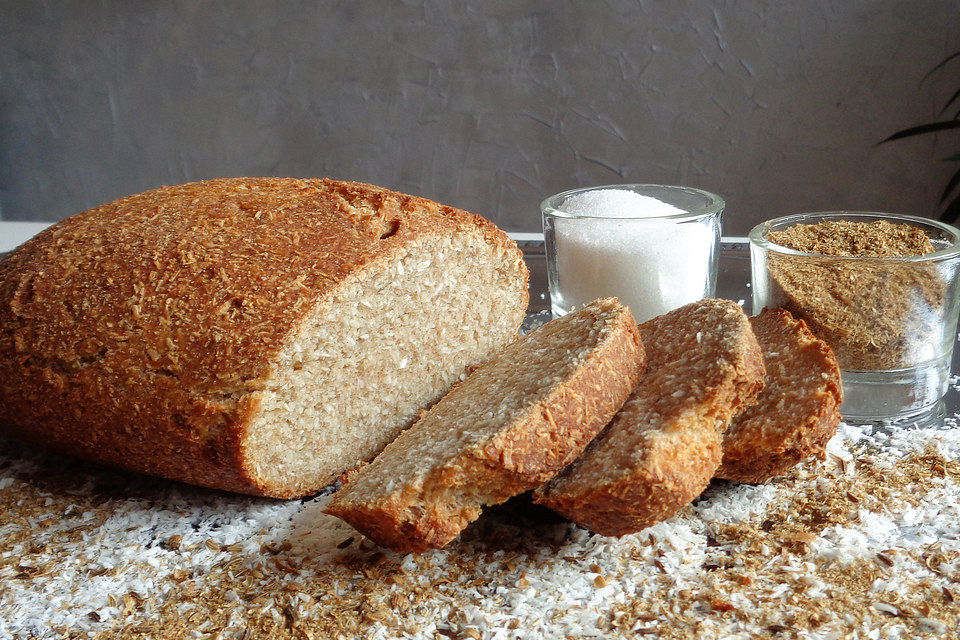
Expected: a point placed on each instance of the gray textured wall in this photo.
(486, 105)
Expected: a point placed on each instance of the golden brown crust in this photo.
(662, 448)
(798, 410)
(430, 508)
(138, 333)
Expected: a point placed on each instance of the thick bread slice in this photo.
(662, 448)
(510, 426)
(258, 335)
(797, 411)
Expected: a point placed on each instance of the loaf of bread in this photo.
(510, 426)
(797, 411)
(256, 335)
(663, 447)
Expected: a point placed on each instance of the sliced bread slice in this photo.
(797, 412)
(664, 445)
(508, 427)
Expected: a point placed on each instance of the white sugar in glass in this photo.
(652, 246)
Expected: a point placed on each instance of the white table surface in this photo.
(13, 234)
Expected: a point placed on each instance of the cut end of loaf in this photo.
(376, 352)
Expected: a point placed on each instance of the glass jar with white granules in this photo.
(652, 246)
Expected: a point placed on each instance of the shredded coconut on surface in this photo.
(867, 541)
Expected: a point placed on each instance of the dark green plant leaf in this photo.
(951, 185)
(951, 101)
(940, 65)
(952, 212)
(930, 127)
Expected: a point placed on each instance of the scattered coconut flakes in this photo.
(821, 552)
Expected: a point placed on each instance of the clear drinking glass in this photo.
(890, 321)
(652, 264)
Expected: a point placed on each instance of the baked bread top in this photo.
(201, 282)
(797, 411)
(510, 426)
(663, 446)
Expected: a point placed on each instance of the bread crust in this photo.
(663, 447)
(429, 509)
(140, 332)
(798, 410)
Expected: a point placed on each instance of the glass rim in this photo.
(757, 235)
(714, 203)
